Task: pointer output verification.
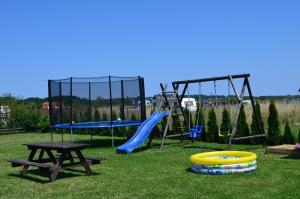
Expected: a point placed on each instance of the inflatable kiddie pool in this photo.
(224, 162)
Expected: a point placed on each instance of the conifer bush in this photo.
(96, 115)
(156, 130)
(105, 131)
(189, 117)
(200, 121)
(242, 129)
(288, 136)
(273, 126)
(132, 129)
(226, 125)
(212, 126)
(176, 125)
(97, 118)
(255, 124)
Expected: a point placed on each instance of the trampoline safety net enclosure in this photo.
(97, 102)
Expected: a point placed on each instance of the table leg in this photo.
(30, 158)
(57, 166)
(41, 155)
(70, 157)
(87, 168)
(51, 156)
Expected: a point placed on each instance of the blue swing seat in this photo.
(196, 131)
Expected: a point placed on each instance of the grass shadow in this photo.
(101, 143)
(30, 178)
(189, 170)
(35, 175)
(224, 147)
(205, 148)
(295, 155)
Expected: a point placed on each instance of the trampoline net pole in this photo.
(112, 137)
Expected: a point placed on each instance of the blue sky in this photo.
(160, 40)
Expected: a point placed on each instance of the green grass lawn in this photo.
(147, 173)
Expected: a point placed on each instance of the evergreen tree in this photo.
(254, 124)
(105, 131)
(132, 129)
(97, 116)
(273, 123)
(176, 125)
(81, 117)
(200, 121)
(242, 128)
(226, 125)
(66, 117)
(87, 116)
(104, 116)
(189, 117)
(74, 117)
(155, 130)
(212, 126)
(288, 136)
(114, 118)
(114, 115)
(163, 125)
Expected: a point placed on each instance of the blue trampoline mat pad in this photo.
(95, 125)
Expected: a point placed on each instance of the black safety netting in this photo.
(96, 99)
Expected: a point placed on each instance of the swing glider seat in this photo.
(249, 137)
(196, 131)
(176, 135)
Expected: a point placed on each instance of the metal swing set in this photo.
(177, 98)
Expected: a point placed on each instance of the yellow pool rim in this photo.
(205, 158)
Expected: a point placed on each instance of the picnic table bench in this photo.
(68, 155)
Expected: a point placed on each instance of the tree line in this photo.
(28, 115)
(212, 132)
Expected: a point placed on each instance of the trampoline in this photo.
(96, 102)
(101, 124)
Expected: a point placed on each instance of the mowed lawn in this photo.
(147, 173)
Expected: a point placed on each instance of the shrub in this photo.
(114, 118)
(176, 125)
(226, 122)
(255, 124)
(132, 129)
(298, 137)
(81, 117)
(86, 115)
(155, 132)
(105, 131)
(288, 136)
(212, 126)
(24, 116)
(97, 118)
(242, 129)
(97, 115)
(273, 124)
(74, 117)
(189, 117)
(43, 124)
(200, 121)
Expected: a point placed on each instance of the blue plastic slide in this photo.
(142, 133)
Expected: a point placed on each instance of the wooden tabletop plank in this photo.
(57, 145)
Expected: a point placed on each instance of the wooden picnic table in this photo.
(68, 155)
